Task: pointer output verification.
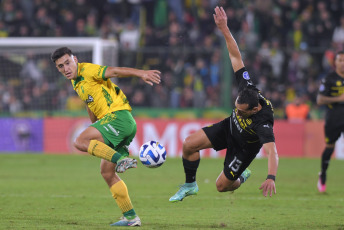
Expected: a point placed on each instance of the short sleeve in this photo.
(265, 133)
(243, 79)
(325, 87)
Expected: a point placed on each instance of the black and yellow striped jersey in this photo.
(332, 86)
(256, 130)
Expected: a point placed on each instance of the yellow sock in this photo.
(101, 150)
(120, 193)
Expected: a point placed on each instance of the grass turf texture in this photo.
(68, 192)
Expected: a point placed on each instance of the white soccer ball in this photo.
(152, 154)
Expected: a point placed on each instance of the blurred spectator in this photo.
(276, 59)
(129, 37)
(80, 28)
(297, 111)
(178, 38)
(31, 70)
(3, 30)
(338, 34)
(91, 27)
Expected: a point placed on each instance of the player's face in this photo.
(242, 110)
(68, 66)
(339, 63)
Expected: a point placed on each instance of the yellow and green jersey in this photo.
(100, 94)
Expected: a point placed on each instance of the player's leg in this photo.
(91, 140)
(191, 158)
(120, 193)
(118, 130)
(325, 160)
(223, 184)
(332, 133)
(235, 171)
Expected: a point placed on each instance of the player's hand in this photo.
(220, 18)
(151, 76)
(268, 187)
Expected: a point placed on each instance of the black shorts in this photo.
(237, 159)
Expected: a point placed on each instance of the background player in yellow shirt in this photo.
(113, 126)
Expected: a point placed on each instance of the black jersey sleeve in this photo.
(325, 86)
(243, 79)
(265, 132)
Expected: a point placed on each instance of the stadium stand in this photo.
(287, 45)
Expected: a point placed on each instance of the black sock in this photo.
(325, 160)
(190, 169)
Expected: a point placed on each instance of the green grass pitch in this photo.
(68, 192)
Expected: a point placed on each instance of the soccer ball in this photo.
(152, 154)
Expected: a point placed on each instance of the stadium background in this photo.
(288, 46)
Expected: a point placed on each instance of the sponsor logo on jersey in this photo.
(236, 122)
(245, 75)
(89, 99)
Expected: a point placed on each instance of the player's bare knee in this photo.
(81, 144)
(189, 146)
(220, 187)
(106, 173)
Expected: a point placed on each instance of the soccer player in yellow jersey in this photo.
(113, 126)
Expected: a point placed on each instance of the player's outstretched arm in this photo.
(268, 185)
(324, 100)
(220, 18)
(149, 76)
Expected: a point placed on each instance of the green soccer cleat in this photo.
(136, 222)
(185, 190)
(245, 175)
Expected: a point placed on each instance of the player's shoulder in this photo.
(331, 76)
(87, 70)
(87, 65)
(242, 73)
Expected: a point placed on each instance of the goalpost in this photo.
(97, 45)
(29, 80)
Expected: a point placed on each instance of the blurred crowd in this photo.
(288, 46)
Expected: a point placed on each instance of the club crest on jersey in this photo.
(321, 88)
(89, 99)
(339, 83)
(245, 75)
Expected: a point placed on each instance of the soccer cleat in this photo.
(320, 185)
(125, 164)
(136, 222)
(245, 175)
(185, 190)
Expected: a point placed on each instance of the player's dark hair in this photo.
(248, 96)
(60, 52)
(338, 53)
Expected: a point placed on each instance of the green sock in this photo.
(116, 157)
(130, 214)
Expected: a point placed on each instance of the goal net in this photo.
(29, 80)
